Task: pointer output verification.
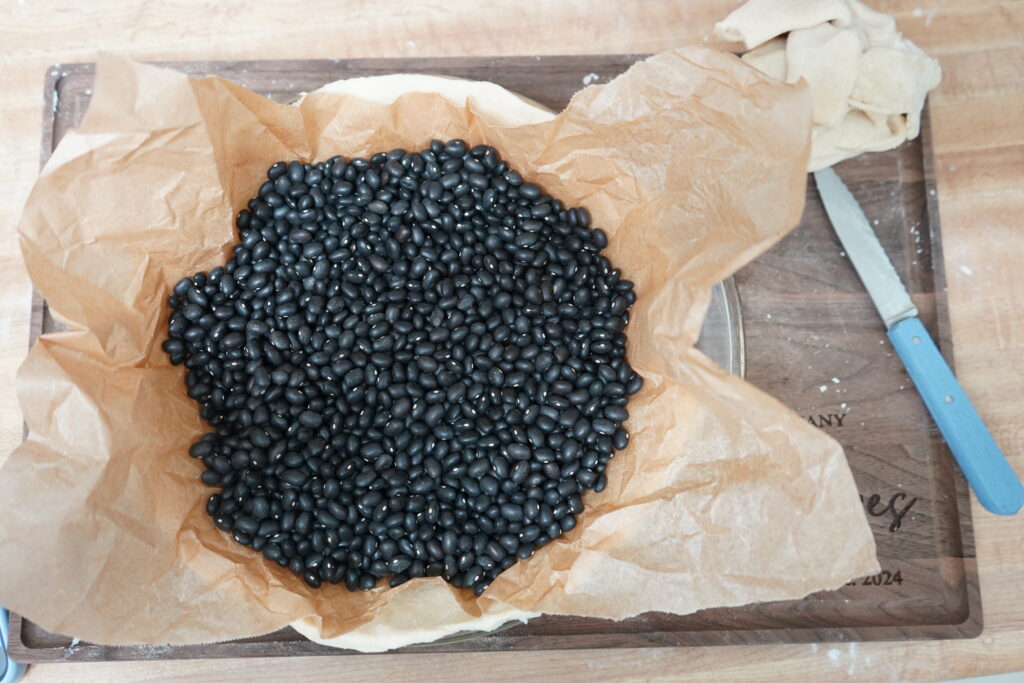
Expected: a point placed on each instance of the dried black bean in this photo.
(433, 404)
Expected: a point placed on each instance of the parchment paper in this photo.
(691, 161)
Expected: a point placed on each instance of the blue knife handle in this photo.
(10, 671)
(984, 465)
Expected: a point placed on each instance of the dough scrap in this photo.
(426, 612)
(868, 82)
(769, 58)
(895, 81)
(420, 614)
(758, 20)
(827, 58)
(858, 132)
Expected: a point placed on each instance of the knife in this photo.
(983, 464)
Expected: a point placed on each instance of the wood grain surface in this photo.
(979, 153)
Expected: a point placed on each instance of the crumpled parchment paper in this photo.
(691, 161)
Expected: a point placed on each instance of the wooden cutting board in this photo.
(811, 337)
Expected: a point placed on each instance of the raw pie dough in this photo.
(425, 612)
(868, 82)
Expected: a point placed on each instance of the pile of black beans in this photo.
(414, 365)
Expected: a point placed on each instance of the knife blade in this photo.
(989, 473)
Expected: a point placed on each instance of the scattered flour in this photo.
(590, 78)
(850, 657)
(70, 650)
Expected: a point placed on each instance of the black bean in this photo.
(455, 148)
(479, 468)
(434, 405)
(518, 451)
(399, 564)
(279, 339)
(327, 519)
(496, 551)
(295, 478)
(309, 418)
(433, 415)
(512, 512)
(312, 577)
(394, 169)
(173, 347)
(247, 525)
(529, 190)
(616, 413)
